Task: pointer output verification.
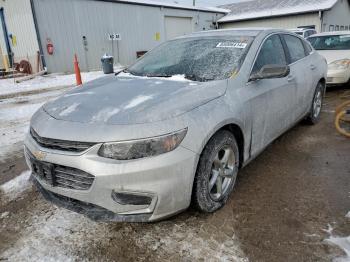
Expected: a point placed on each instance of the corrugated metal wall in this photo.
(65, 22)
(337, 17)
(20, 23)
(285, 22)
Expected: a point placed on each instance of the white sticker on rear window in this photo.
(232, 45)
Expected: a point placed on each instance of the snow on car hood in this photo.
(133, 100)
(334, 55)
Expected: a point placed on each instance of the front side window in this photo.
(271, 53)
(197, 58)
(330, 42)
(295, 47)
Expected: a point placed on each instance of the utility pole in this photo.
(194, 2)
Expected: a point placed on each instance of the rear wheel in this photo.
(216, 173)
(316, 107)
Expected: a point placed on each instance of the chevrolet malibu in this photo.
(176, 127)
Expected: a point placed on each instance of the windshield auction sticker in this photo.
(232, 45)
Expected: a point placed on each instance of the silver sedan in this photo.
(176, 127)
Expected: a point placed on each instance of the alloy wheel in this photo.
(317, 106)
(223, 173)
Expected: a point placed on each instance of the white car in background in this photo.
(304, 32)
(335, 47)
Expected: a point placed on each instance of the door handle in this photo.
(290, 78)
(313, 67)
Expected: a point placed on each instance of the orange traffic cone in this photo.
(77, 71)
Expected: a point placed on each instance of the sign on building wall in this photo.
(114, 37)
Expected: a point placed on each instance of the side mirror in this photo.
(271, 71)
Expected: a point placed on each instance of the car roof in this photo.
(252, 31)
(332, 33)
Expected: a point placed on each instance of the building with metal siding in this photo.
(323, 15)
(83, 27)
(21, 38)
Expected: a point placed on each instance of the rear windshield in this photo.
(299, 33)
(197, 58)
(331, 42)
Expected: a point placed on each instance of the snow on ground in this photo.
(61, 235)
(14, 122)
(8, 86)
(341, 242)
(15, 187)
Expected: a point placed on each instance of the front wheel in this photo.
(216, 173)
(316, 107)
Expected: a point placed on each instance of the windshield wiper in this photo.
(197, 78)
(158, 75)
(126, 71)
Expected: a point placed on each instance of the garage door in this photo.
(177, 26)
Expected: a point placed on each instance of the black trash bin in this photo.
(107, 64)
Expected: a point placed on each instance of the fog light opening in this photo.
(131, 199)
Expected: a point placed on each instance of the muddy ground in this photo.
(285, 203)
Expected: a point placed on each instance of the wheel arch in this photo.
(238, 133)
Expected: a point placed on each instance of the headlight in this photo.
(339, 64)
(136, 149)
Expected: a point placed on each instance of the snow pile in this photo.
(15, 187)
(8, 86)
(348, 215)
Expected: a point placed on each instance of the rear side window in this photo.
(271, 53)
(295, 47)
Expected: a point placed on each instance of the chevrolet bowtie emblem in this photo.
(39, 155)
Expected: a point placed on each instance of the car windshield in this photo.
(197, 58)
(331, 42)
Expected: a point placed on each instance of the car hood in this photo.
(118, 100)
(334, 55)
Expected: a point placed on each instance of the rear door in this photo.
(301, 74)
(272, 99)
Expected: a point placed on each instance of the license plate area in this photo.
(42, 170)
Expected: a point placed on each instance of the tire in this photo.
(213, 167)
(316, 106)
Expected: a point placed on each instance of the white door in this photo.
(177, 26)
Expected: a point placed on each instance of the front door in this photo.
(271, 99)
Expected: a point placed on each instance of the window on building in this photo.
(295, 47)
(342, 28)
(346, 28)
(331, 28)
(271, 53)
(337, 28)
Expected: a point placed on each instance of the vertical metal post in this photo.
(194, 2)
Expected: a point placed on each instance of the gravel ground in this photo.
(290, 204)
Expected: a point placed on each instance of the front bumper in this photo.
(338, 77)
(166, 179)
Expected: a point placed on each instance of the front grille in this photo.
(60, 176)
(72, 178)
(62, 145)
